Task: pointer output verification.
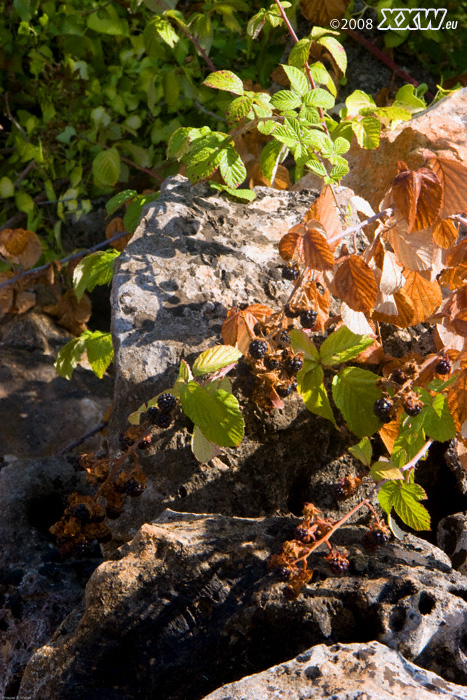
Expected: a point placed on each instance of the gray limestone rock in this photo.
(343, 672)
(452, 539)
(188, 604)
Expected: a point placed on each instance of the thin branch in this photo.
(75, 443)
(13, 120)
(362, 224)
(18, 217)
(38, 270)
(199, 106)
(25, 172)
(193, 40)
(149, 172)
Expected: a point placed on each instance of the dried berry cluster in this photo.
(82, 526)
(291, 564)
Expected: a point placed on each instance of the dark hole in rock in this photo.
(100, 310)
(297, 495)
(426, 603)
(458, 559)
(397, 619)
(43, 512)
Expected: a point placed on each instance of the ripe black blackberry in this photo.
(443, 366)
(282, 339)
(125, 442)
(412, 405)
(166, 402)
(294, 365)
(82, 513)
(134, 487)
(283, 573)
(378, 535)
(338, 563)
(308, 319)
(382, 409)
(258, 349)
(290, 273)
(302, 533)
(152, 414)
(291, 313)
(164, 419)
(271, 363)
(286, 389)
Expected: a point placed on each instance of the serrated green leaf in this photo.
(286, 135)
(367, 131)
(242, 195)
(285, 100)
(7, 189)
(342, 345)
(100, 352)
(320, 74)
(179, 143)
(339, 171)
(266, 127)
(357, 101)
(118, 200)
(232, 167)
(362, 451)
(404, 498)
(298, 79)
(69, 356)
(184, 372)
(107, 21)
(217, 414)
(301, 342)
(269, 158)
(225, 80)
(311, 387)
(299, 53)
(354, 391)
(390, 114)
(341, 145)
(239, 108)
(317, 167)
(385, 470)
(202, 449)
(214, 359)
(95, 269)
(320, 98)
(106, 167)
(438, 422)
(167, 32)
(407, 99)
(336, 50)
(24, 202)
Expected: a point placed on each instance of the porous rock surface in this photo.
(188, 605)
(343, 672)
(452, 538)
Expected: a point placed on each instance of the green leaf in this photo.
(106, 167)
(202, 449)
(270, 156)
(107, 21)
(342, 345)
(216, 413)
(385, 470)
(285, 100)
(339, 171)
(242, 195)
(69, 356)
(298, 79)
(167, 32)
(232, 167)
(354, 391)
(341, 145)
(95, 269)
(179, 143)
(239, 108)
(299, 53)
(357, 101)
(404, 498)
(225, 80)
(407, 99)
(317, 167)
(214, 359)
(301, 342)
(184, 372)
(100, 351)
(367, 131)
(319, 73)
(438, 422)
(362, 451)
(7, 189)
(320, 98)
(311, 387)
(336, 50)
(133, 213)
(118, 200)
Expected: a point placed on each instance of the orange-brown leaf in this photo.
(452, 174)
(291, 244)
(6, 293)
(115, 226)
(424, 295)
(458, 254)
(237, 329)
(321, 12)
(71, 313)
(325, 211)
(259, 311)
(417, 195)
(454, 277)
(445, 233)
(405, 314)
(24, 301)
(21, 246)
(457, 399)
(389, 433)
(316, 251)
(355, 284)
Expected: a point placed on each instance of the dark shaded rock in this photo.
(188, 605)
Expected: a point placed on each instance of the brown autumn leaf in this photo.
(255, 177)
(321, 12)
(237, 329)
(6, 293)
(457, 399)
(320, 300)
(115, 226)
(291, 244)
(445, 233)
(417, 195)
(24, 301)
(316, 251)
(454, 277)
(389, 434)
(259, 311)
(452, 175)
(461, 449)
(405, 311)
(425, 296)
(70, 313)
(325, 211)
(391, 274)
(414, 251)
(355, 284)
(458, 254)
(21, 246)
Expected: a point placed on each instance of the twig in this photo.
(75, 443)
(18, 217)
(199, 106)
(37, 270)
(362, 224)
(13, 120)
(25, 172)
(193, 40)
(149, 172)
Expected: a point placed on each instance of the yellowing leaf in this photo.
(385, 470)
(321, 12)
(355, 284)
(425, 296)
(445, 233)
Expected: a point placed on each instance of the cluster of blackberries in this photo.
(346, 486)
(378, 535)
(337, 562)
(161, 415)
